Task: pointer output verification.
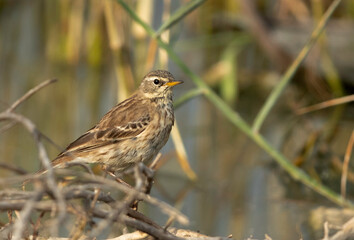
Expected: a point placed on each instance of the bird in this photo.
(133, 131)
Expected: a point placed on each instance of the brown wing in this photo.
(127, 120)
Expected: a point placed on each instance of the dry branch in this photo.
(346, 232)
(81, 195)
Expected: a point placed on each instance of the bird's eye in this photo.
(156, 81)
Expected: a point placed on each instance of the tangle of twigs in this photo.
(84, 204)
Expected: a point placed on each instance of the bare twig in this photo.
(141, 217)
(11, 194)
(120, 208)
(348, 153)
(139, 225)
(104, 183)
(9, 215)
(326, 230)
(13, 168)
(80, 164)
(326, 104)
(72, 194)
(29, 94)
(21, 222)
(346, 232)
(7, 126)
(165, 208)
(43, 156)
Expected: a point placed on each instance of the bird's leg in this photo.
(112, 174)
(147, 182)
(150, 172)
(134, 204)
(121, 181)
(149, 176)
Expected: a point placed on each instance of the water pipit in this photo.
(133, 131)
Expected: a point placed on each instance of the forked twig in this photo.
(42, 153)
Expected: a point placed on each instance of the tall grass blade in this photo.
(277, 91)
(178, 15)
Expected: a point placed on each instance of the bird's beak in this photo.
(173, 83)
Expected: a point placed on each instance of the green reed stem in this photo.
(136, 18)
(178, 15)
(187, 96)
(275, 94)
(237, 120)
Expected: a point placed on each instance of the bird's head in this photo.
(158, 84)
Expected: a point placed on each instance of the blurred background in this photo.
(240, 48)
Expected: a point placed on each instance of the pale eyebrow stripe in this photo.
(160, 78)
